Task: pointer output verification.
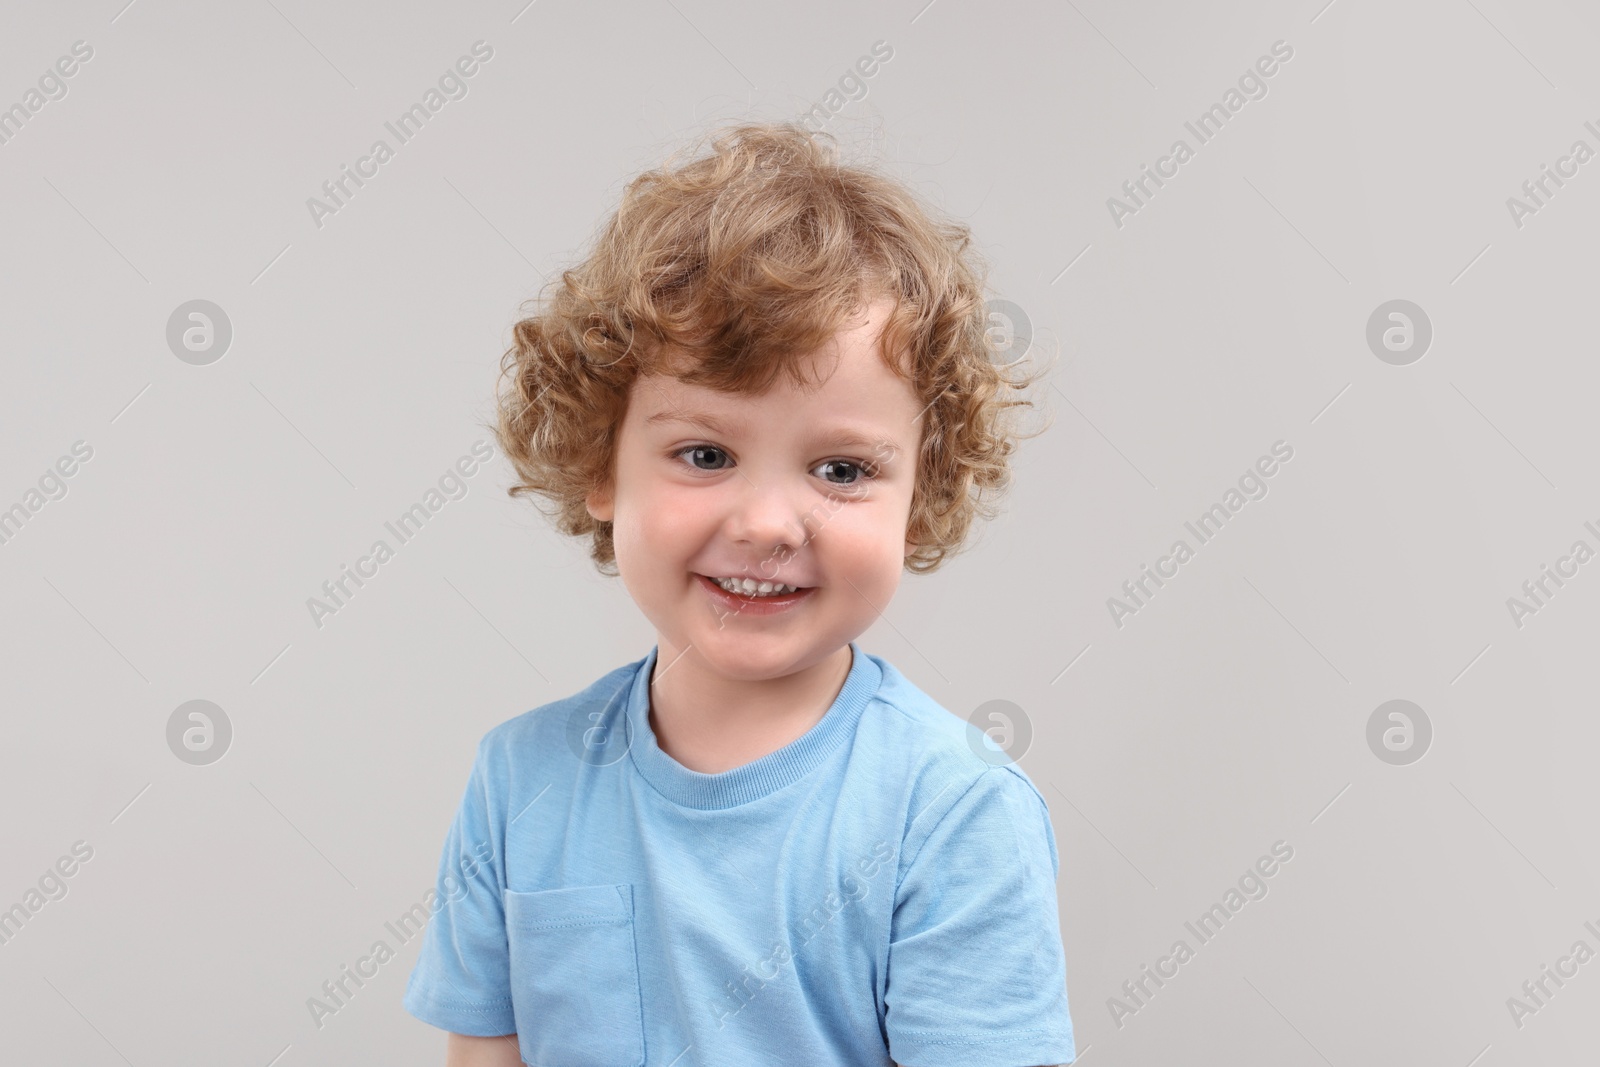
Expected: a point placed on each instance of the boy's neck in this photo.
(711, 723)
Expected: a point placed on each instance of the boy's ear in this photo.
(599, 505)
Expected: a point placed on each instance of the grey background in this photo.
(1229, 313)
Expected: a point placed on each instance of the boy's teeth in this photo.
(748, 587)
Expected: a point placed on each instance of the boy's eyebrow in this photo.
(710, 424)
(704, 422)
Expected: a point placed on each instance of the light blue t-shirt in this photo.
(873, 891)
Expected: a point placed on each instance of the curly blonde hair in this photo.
(748, 259)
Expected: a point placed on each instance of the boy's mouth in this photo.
(745, 597)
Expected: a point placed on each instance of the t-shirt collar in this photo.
(763, 776)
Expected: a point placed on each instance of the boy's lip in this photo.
(754, 606)
(775, 581)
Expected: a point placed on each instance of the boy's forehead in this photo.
(854, 352)
(665, 399)
(858, 372)
(849, 384)
(860, 416)
(882, 398)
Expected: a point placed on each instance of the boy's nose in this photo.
(767, 515)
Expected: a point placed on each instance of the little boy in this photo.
(764, 396)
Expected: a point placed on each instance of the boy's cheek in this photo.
(673, 516)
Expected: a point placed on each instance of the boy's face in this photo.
(770, 492)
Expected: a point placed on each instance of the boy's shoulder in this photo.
(567, 720)
(911, 734)
(936, 744)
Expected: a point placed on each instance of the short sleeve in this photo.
(461, 981)
(976, 970)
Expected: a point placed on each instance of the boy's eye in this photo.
(861, 470)
(709, 453)
(698, 451)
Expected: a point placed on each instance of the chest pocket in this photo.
(575, 976)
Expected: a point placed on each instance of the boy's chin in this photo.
(752, 657)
